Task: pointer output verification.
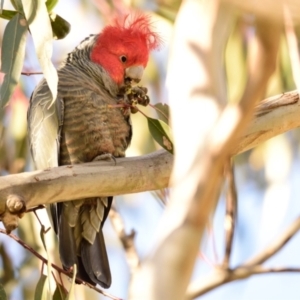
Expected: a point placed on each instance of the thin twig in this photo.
(211, 232)
(222, 276)
(274, 247)
(257, 270)
(41, 224)
(60, 283)
(31, 73)
(253, 266)
(127, 240)
(35, 208)
(141, 112)
(42, 267)
(231, 210)
(122, 105)
(161, 196)
(206, 259)
(57, 268)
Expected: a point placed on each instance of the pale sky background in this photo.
(265, 209)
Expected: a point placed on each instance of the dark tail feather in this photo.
(67, 251)
(95, 261)
(67, 246)
(93, 265)
(82, 274)
(54, 215)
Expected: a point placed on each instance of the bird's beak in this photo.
(134, 73)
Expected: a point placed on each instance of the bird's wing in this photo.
(44, 125)
(44, 128)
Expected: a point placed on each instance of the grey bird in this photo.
(84, 124)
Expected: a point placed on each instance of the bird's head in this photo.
(123, 49)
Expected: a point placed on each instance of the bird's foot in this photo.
(105, 156)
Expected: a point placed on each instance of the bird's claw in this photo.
(105, 156)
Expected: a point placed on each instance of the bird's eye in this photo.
(123, 58)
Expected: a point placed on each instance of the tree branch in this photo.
(199, 105)
(129, 175)
(273, 116)
(252, 267)
(220, 276)
(127, 240)
(276, 246)
(231, 211)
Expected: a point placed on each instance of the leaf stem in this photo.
(31, 73)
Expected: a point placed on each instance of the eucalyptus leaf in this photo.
(162, 110)
(17, 4)
(41, 292)
(50, 4)
(71, 295)
(7, 14)
(161, 133)
(7, 265)
(167, 13)
(3, 295)
(12, 56)
(40, 27)
(59, 293)
(42, 235)
(60, 27)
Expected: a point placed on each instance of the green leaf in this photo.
(167, 13)
(7, 14)
(50, 4)
(17, 4)
(3, 295)
(12, 56)
(162, 110)
(161, 133)
(60, 27)
(42, 235)
(41, 291)
(59, 293)
(8, 266)
(71, 295)
(41, 31)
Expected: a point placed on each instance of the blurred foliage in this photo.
(3, 295)
(235, 61)
(26, 276)
(256, 165)
(281, 81)
(41, 290)
(13, 44)
(8, 269)
(12, 56)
